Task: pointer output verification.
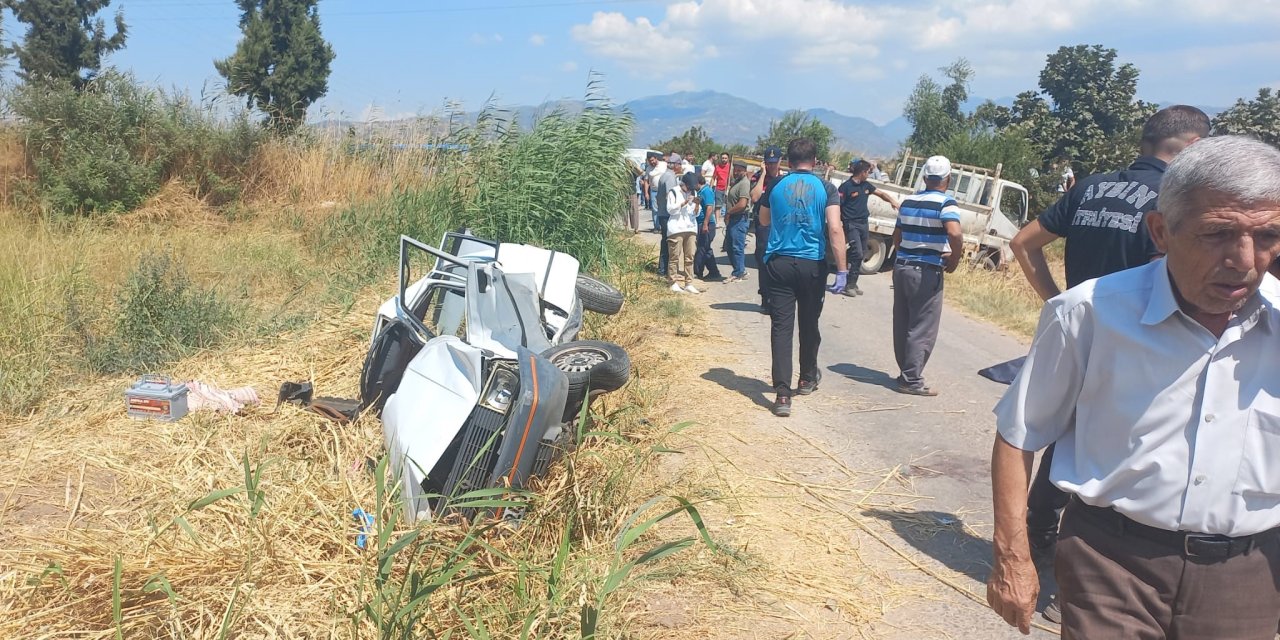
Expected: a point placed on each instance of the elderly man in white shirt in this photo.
(1161, 387)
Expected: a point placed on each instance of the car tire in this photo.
(598, 297)
(592, 367)
(876, 255)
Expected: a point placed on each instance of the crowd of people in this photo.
(1152, 384)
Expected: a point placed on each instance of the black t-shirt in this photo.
(1102, 220)
(764, 195)
(853, 201)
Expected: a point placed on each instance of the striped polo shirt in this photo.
(921, 218)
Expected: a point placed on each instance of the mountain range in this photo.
(729, 119)
(726, 118)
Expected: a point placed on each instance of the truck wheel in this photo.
(592, 367)
(598, 297)
(876, 255)
(989, 262)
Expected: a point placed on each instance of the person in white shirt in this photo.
(1068, 178)
(682, 233)
(709, 168)
(1160, 387)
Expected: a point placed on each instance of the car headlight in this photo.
(501, 391)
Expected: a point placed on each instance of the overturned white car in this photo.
(476, 367)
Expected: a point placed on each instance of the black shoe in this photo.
(915, 391)
(849, 292)
(807, 387)
(782, 406)
(856, 290)
(1053, 612)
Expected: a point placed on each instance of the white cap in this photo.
(937, 167)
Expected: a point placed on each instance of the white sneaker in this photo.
(676, 288)
(691, 289)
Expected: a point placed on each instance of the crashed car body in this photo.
(475, 368)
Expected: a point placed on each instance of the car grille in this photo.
(481, 438)
(553, 445)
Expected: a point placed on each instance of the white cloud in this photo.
(537, 39)
(486, 39)
(568, 66)
(632, 43)
(816, 33)
(681, 85)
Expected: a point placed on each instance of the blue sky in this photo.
(397, 57)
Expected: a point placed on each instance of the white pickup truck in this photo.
(992, 210)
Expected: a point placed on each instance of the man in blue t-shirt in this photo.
(802, 213)
(704, 259)
(929, 241)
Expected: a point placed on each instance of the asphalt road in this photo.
(942, 443)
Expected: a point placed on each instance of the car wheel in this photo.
(592, 367)
(876, 255)
(598, 297)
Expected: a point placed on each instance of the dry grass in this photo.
(1003, 297)
(13, 162)
(50, 273)
(328, 173)
(86, 487)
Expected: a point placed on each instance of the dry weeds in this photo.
(86, 487)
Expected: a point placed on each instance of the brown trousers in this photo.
(1114, 585)
(680, 249)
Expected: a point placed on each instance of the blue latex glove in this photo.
(842, 281)
(364, 524)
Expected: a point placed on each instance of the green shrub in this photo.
(108, 146)
(562, 185)
(160, 316)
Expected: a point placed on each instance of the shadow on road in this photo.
(865, 375)
(943, 537)
(736, 306)
(753, 388)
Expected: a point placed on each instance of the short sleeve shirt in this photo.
(1102, 220)
(722, 177)
(922, 220)
(853, 201)
(666, 183)
(708, 196)
(739, 191)
(798, 216)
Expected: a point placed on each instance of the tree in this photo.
(1090, 116)
(797, 124)
(934, 111)
(64, 42)
(281, 64)
(1259, 117)
(694, 140)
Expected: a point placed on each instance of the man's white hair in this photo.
(1239, 168)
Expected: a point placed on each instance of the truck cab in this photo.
(992, 210)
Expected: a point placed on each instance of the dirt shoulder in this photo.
(864, 515)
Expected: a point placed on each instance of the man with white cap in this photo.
(928, 241)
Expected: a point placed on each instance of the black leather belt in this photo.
(1188, 543)
(916, 263)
